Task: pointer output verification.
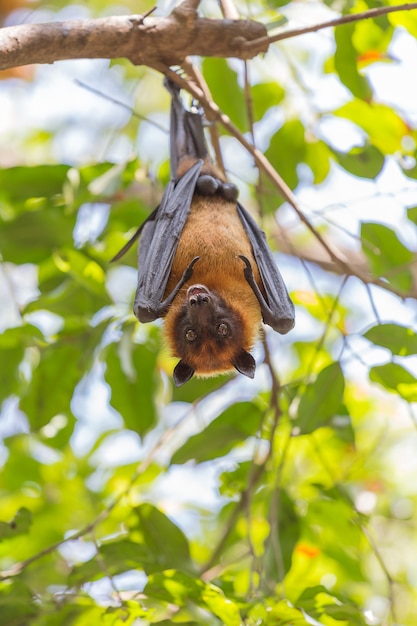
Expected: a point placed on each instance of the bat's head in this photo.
(209, 336)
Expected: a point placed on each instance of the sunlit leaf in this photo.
(132, 387)
(388, 257)
(19, 525)
(321, 401)
(346, 62)
(226, 91)
(163, 538)
(399, 339)
(365, 162)
(384, 127)
(16, 606)
(236, 424)
(396, 379)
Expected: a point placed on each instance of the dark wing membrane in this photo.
(277, 309)
(158, 245)
(186, 130)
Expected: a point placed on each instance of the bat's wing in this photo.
(158, 245)
(186, 130)
(277, 308)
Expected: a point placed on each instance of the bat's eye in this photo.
(223, 329)
(191, 335)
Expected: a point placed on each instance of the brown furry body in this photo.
(214, 233)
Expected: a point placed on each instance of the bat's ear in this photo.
(245, 364)
(182, 373)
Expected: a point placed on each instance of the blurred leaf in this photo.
(412, 214)
(387, 256)
(16, 604)
(179, 589)
(264, 97)
(385, 128)
(19, 525)
(404, 18)
(163, 538)
(233, 426)
(119, 556)
(61, 366)
(287, 150)
(9, 371)
(318, 602)
(396, 379)
(346, 62)
(198, 388)
(365, 162)
(317, 158)
(17, 184)
(70, 299)
(276, 612)
(226, 91)
(321, 401)
(132, 386)
(86, 272)
(401, 340)
(35, 234)
(287, 529)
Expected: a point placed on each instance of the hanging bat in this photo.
(204, 263)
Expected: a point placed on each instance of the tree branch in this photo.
(141, 39)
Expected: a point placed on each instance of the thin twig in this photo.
(127, 107)
(339, 21)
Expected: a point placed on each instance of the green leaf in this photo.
(19, 525)
(273, 612)
(287, 150)
(346, 62)
(317, 157)
(287, 529)
(400, 340)
(162, 537)
(387, 256)
(224, 608)
(16, 604)
(321, 401)
(264, 97)
(365, 162)
(395, 379)
(226, 91)
(17, 184)
(61, 366)
(9, 370)
(384, 127)
(32, 236)
(119, 556)
(320, 603)
(133, 386)
(84, 271)
(180, 589)
(412, 214)
(234, 426)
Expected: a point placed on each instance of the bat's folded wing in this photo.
(277, 308)
(158, 245)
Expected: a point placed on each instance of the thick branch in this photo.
(144, 41)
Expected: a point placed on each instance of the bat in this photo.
(204, 263)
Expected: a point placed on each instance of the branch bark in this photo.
(143, 40)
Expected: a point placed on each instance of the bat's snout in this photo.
(197, 293)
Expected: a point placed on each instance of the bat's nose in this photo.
(199, 299)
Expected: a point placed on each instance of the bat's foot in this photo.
(209, 186)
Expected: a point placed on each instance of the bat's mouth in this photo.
(194, 290)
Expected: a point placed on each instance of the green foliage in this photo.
(289, 500)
